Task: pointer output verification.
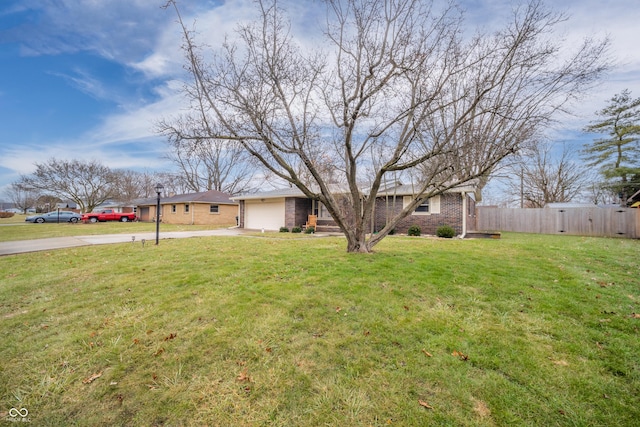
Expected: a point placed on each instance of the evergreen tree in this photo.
(617, 153)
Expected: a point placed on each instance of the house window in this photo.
(321, 211)
(423, 207)
(186, 208)
(214, 209)
(173, 209)
(428, 207)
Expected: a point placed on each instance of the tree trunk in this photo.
(357, 244)
(394, 90)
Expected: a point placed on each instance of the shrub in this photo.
(310, 230)
(445, 231)
(414, 230)
(6, 214)
(296, 230)
(284, 230)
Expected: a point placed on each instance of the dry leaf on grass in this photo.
(92, 378)
(460, 355)
(425, 404)
(243, 376)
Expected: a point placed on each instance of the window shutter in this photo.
(434, 205)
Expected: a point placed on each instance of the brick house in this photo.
(290, 208)
(204, 208)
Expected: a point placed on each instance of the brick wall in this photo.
(450, 214)
(241, 214)
(297, 211)
(199, 214)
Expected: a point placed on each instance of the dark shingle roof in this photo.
(211, 196)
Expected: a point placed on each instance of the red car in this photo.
(108, 215)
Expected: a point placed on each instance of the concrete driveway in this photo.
(24, 246)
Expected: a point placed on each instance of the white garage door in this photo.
(268, 214)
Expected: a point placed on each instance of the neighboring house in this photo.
(205, 208)
(7, 207)
(290, 208)
(634, 201)
(67, 206)
(120, 207)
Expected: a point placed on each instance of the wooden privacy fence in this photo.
(581, 221)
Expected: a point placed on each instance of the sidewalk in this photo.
(25, 246)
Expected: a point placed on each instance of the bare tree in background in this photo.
(21, 196)
(207, 163)
(393, 90)
(47, 203)
(599, 194)
(174, 183)
(88, 184)
(128, 185)
(539, 177)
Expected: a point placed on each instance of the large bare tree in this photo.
(395, 89)
(87, 183)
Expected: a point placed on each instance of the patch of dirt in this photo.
(14, 314)
(481, 408)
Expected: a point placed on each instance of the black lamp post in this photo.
(159, 189)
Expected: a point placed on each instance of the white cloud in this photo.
(115, 29)
(211, 26)
(122, 140)
(140, 35)
(138, 122)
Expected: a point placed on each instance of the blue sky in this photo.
(88, 79)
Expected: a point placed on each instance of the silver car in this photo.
(61, 216)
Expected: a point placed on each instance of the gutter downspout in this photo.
(464, 215)
(193, 212)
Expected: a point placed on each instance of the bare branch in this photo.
(394, 90)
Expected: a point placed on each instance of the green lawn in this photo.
(26, 231)
(260, 331)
